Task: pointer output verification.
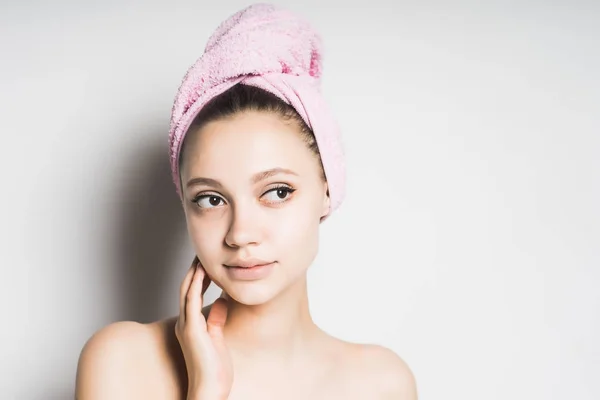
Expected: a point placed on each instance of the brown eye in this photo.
(278, 195)
(208, 201)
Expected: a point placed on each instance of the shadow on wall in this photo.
(151, 232)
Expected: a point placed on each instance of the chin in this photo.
(263, 290)
(251, 293)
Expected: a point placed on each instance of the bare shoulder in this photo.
(384, 374)
(126, 360)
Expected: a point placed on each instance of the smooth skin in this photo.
(260, 194)
(207, 359)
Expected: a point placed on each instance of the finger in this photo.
(184, 287)
(205, 282)
(217, 318)
(193, 307)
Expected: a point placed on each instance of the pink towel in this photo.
(273, 49)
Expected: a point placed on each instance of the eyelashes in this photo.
(277, 195)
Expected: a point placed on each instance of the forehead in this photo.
(247, 143)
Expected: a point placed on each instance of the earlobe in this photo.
(326, 201)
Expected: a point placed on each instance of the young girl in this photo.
(257, 161)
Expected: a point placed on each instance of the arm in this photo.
(117, 364)
(105, 366)
(391, 375)
(402, 384)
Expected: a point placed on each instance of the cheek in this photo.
(205, 242)
(295, 236)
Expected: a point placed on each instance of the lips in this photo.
(249, 270)
(247, 263)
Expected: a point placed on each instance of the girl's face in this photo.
(253, 193)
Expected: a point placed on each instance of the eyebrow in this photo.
(259, 176)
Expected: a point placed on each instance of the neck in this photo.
(278, 329)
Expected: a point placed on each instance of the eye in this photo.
(207, 201)
(279, 194)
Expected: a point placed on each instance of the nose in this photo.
(244, 228)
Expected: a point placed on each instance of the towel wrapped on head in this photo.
(273, 49)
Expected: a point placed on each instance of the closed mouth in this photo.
(247, 267)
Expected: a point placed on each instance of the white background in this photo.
(469, 242)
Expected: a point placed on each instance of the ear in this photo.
(326, 201)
